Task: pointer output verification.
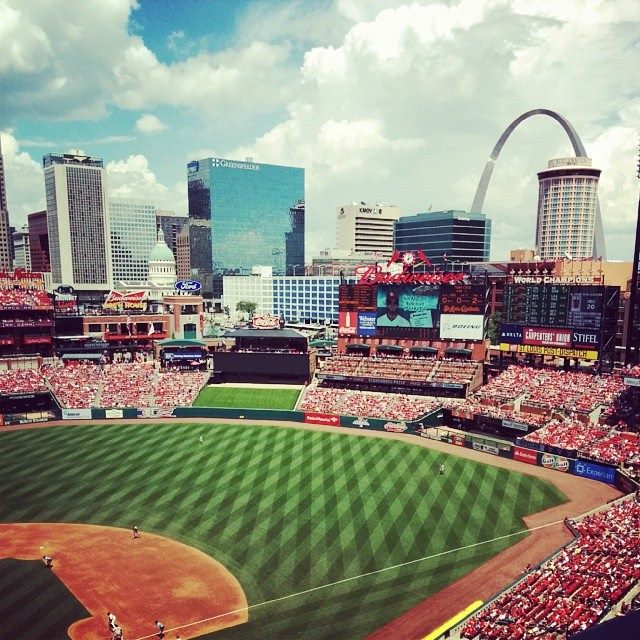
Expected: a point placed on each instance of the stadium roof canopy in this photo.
(181, 342)
(283, 334)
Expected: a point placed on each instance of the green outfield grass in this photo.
(247, 398)
(286, 510)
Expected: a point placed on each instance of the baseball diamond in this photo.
(286, 511)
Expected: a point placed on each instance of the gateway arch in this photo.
(579, 150)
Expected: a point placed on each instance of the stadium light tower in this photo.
(633, 317)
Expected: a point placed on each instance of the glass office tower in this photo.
(253, 212)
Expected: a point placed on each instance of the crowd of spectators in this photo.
(367, 404)
(178, 388)
(76, 384)
(394, 368)
(24, 299)
(573, 590)
(567, 434)
(509, 385)
(127, 385)
(21, 381)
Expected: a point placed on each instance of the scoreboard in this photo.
(543, 305)
(357, 297)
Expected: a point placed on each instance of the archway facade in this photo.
(578, 148)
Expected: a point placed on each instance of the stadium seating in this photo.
(75, 385)
(391, 406)
(127, 385)
(24, 299)
(178, 388)
(574, 589)
(80, 385)
(21, 381)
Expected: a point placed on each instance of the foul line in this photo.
(350, 579)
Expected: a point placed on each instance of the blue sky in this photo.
(379, 100)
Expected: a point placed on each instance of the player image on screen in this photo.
(413, 307)
(393, 316)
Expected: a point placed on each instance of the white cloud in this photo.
(148, 123)
(24, 180)
(382, 99)
(133, 179)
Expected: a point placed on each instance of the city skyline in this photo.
(378, 101)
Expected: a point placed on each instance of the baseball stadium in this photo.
(411, 482)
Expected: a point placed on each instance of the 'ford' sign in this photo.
(188, 285)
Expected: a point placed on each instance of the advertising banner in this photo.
(322, 418)
(594, 471)
(76, 414)
(511, 334)
(558, 352)
(585, 339)
(550, 461)
(510, 424)
(367, 323)
(460, 326)
(632, 382)
(347, 323)
(265, 322)
(156, 412)
(485, 448)
(546, 337)
(113, 413)
(125, 300)
(458, 440)
(395, 427)
(529, 456)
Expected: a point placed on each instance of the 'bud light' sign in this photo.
(188, 286)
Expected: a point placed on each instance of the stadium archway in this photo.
(578, 148)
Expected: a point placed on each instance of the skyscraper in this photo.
(133, 235)
(567, 203)
(39, 241)
(21, 249)
(367, 229)
(6, 242)
(79, 239)
(171, 224)
(445, 236)
(248, 209)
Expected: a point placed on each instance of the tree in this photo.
(494, 326)
(246, 306)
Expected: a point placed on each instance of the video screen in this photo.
(408, 310)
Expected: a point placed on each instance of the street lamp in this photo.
(294, 266)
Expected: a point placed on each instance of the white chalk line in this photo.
(351, 578)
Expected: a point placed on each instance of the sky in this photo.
(379, 100)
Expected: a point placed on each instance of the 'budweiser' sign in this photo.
(373, 274)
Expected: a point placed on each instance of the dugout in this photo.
(19, 408)
(265, 355)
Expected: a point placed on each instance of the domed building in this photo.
(162, 266)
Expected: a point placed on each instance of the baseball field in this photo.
(247, 397)
(328, 535)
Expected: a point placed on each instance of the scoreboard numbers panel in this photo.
(578, 307)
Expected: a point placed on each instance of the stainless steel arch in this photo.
(578, 148)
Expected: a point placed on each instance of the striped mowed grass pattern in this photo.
(247, 397)
(286, 510)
